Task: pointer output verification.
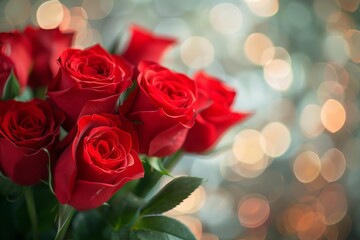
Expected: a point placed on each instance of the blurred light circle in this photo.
(307, 167)
(17, 12)
(98, 9)
(333, 165)
(351, 149)
(353, 39)
(278, 74)
(255, 46)
(333, 203)
(310, 121)
(330, 89)
(311, 225)
(192, 203)
(253, 211)
(247, 146)
(263, 8)
(226, 18)
(325, 8)
(192, 223)
(336, 48)
(50, 14)
(333, 115)
(349, 5)
(277, 139)
(197, 52)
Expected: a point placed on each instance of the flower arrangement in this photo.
(85, 135)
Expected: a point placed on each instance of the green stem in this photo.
(30, 204)
(66, 214)
(40, 92)
(152, 177)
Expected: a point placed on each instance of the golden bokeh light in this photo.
(247, 146)
(307, 167)
(50, 14)
(253, 211)
(192, 203)
(255, 46)
(263, 8)
(333, 115)
(310, 121)
(277, 139)
(278, 74)
(193, 223)
(310, 225)
(226, 18)
(197, 52)
(333, 165)
(250, 157)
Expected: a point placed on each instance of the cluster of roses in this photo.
(113, 106)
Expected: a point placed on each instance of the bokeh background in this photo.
(292, 171)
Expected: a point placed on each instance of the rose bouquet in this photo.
(85, 135)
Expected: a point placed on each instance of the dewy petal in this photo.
(144, 45)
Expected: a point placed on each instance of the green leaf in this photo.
(90, 225)
(11, 88)
(127, 93)
(171, 195)
(158, 165)
(64, 218)
(162, 227)
(122, 211)
(152, 235)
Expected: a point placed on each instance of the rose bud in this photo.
(99, 161)
(143, 45)
(89, 81)
(162, 109)
(14, 56)
(215, 117)
(29, 132)
(47, 45)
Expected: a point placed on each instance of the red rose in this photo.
(47, 45)
(6, 66)
(89, 81)
(99, 161)
(26, 130)
(143, 45)
(215, 117)
(163, 109)
(15, 53)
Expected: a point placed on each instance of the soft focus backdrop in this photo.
(293, 170)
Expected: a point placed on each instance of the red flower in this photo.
(163, 109)
(15, 56)
(89, 81)
(47, 45)
(213, 118)
(26, 129)
(144, 45)
(100, 160)
(6, 66)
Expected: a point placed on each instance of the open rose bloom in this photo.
(103, 133)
